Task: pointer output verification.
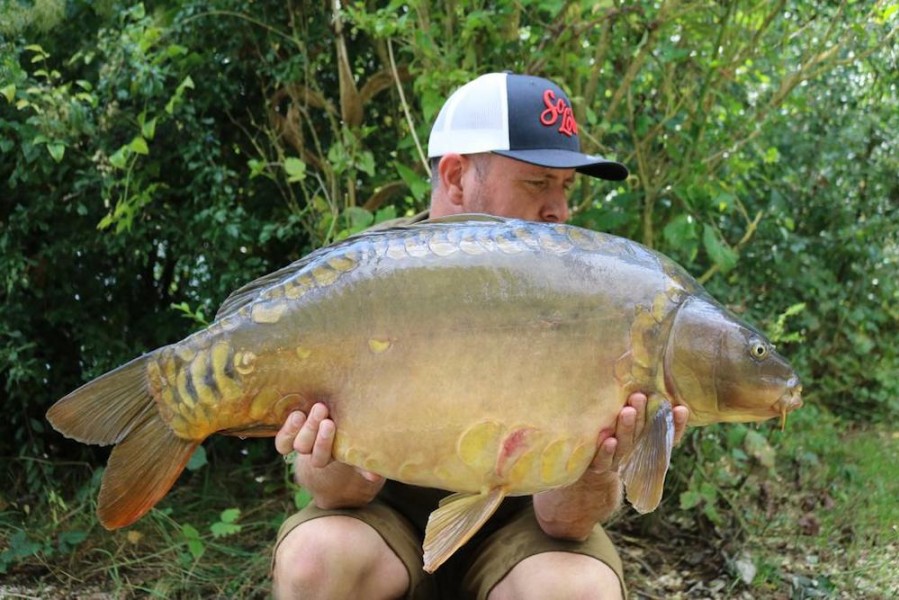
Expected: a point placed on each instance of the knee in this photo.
(560, 575)
(599, 583)
(332, 557)
(300, 559)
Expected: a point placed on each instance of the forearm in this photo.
(572, 512)
(336, 485)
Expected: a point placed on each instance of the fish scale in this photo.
(479, 355)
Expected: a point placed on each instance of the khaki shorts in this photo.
(479, 565)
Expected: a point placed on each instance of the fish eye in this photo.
(758, 349)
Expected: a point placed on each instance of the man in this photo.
(505, 145)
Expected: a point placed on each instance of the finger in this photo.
(288, 432)
(305, 440)
(323, 445)
(638, 401)
(625, 431)
(605, 456)
(681, 416)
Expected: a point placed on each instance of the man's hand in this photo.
(571, 512)
(331, 483)
(614, 445)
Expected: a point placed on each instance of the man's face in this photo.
(504, 187)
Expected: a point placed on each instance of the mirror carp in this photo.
(477, 355)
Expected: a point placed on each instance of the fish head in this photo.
(724, 370)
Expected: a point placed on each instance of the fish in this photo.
(473, 354)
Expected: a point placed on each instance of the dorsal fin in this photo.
(251, 291)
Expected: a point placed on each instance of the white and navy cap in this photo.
(520, 116)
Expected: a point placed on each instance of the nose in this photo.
(555, 207)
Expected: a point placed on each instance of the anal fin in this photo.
(454, 522)
(643, 472)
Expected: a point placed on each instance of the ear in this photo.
(451, 169)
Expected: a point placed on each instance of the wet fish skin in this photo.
(477, 356)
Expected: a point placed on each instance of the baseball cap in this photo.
(520, 116)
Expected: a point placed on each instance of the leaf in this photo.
(9, 91)
(230, 515)
(174, 50)
(418, 185)
(357, 219)
(119, 158)
(186, 83)
(139, 146)
(295, 168)
(223, 529)
(385, 213)
(724, 201)
(712, 513)
(194, 543)
(148, 129)
(680, 231)
(57, 150)
(257, 167)
(226, 524)
(690, 499)
(720, 253)
(70, 539)
(366, 163)
(887, 12)
(197, 460)
(105, 222)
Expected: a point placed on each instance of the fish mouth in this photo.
(789, 401)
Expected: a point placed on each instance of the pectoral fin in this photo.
(454, 522)
(643, 472)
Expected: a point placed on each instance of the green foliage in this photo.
(226, 525)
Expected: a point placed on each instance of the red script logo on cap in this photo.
(556, 110)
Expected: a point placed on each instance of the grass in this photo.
(806, 513)
(835, 525)
(819, 519)
(210, 537)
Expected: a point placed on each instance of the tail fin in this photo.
(106, 409)
(117, 408)
(141, 470)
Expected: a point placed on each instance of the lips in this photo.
(789, 401)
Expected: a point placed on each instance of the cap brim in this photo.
(594, 166)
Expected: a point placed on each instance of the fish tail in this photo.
(117, 408)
